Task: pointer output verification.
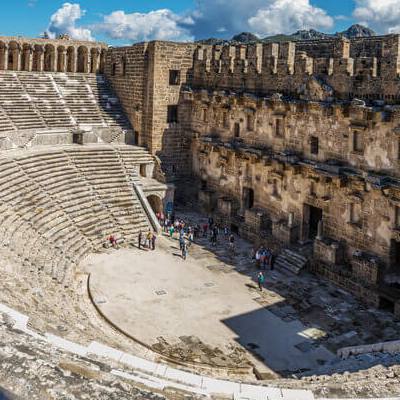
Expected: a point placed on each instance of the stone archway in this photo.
(155, 203)
(71, 59)
(37, 58)
(82, 65)
(13, 56)
(49, 58)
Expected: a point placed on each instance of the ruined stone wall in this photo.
(367, 68)
(127, 70)
(147, 89)
(239, 147)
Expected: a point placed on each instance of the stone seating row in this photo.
(31, 100)
(57, 206)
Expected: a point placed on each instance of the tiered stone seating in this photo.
(131, 157)
(47, 98)
(109, 105)
(105, 173)
(79, 99)
(6, 124)
(17, 104)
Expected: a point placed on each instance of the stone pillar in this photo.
(63, 60)
(88, 62)
(320, 232)
(5, 58)
(18, 54)
(30, 59)
(54, 67)
(41, 60)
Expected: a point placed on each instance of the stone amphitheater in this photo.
(95, 140)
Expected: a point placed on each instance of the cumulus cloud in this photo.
(64, 21)
(287, 16)
(160, 24)
(381, 15)
(209, 18)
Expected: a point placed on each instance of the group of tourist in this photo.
(149, 240)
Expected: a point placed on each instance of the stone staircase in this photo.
(291, 260)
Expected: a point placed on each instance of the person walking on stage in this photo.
(260, 280)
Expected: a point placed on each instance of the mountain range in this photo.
(354, 31)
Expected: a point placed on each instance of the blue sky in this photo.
(127, 21)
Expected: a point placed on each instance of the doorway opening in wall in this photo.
(203, 184)
(248, 198)
(155, 203)
(314, 217)
(235, 229)
(395, 255)
(143, 170)
(136, 133)
(386, 304)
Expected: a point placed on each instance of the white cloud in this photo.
(287, 16)
(160, 24)
(381, 15)
(64, 21)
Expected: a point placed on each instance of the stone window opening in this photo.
(248, 198)
(358, 145)
(314, 145)
(172, 114)
(113, 69)
(225, 120)
(275, 188)
(174, 77)
(204, 115)
(355, 213)
(237, 130)
(397, 217)
(142, 171)
(250, 122)
(279, 127)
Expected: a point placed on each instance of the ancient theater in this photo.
(189, 220)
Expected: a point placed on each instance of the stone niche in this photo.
(328, 251)
(366, 268)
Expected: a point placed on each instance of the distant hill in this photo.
(355, 31)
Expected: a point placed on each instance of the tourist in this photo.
(140, 239)
(210, 222)
(166, 224)
(258, 256)
(153, 241)
(148, 239)
(226, 233)
(171, 231)
(112, 240)
(205, 230)
(184, 249)
(260, 280)
(232, 243)
(181, 241)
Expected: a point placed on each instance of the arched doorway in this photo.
(94, 60)
(82, 59)
(37, 58)
(26, 57)
(49, 58)
(61, 58)
(71, 59)
(155, 203)
(13, 56)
